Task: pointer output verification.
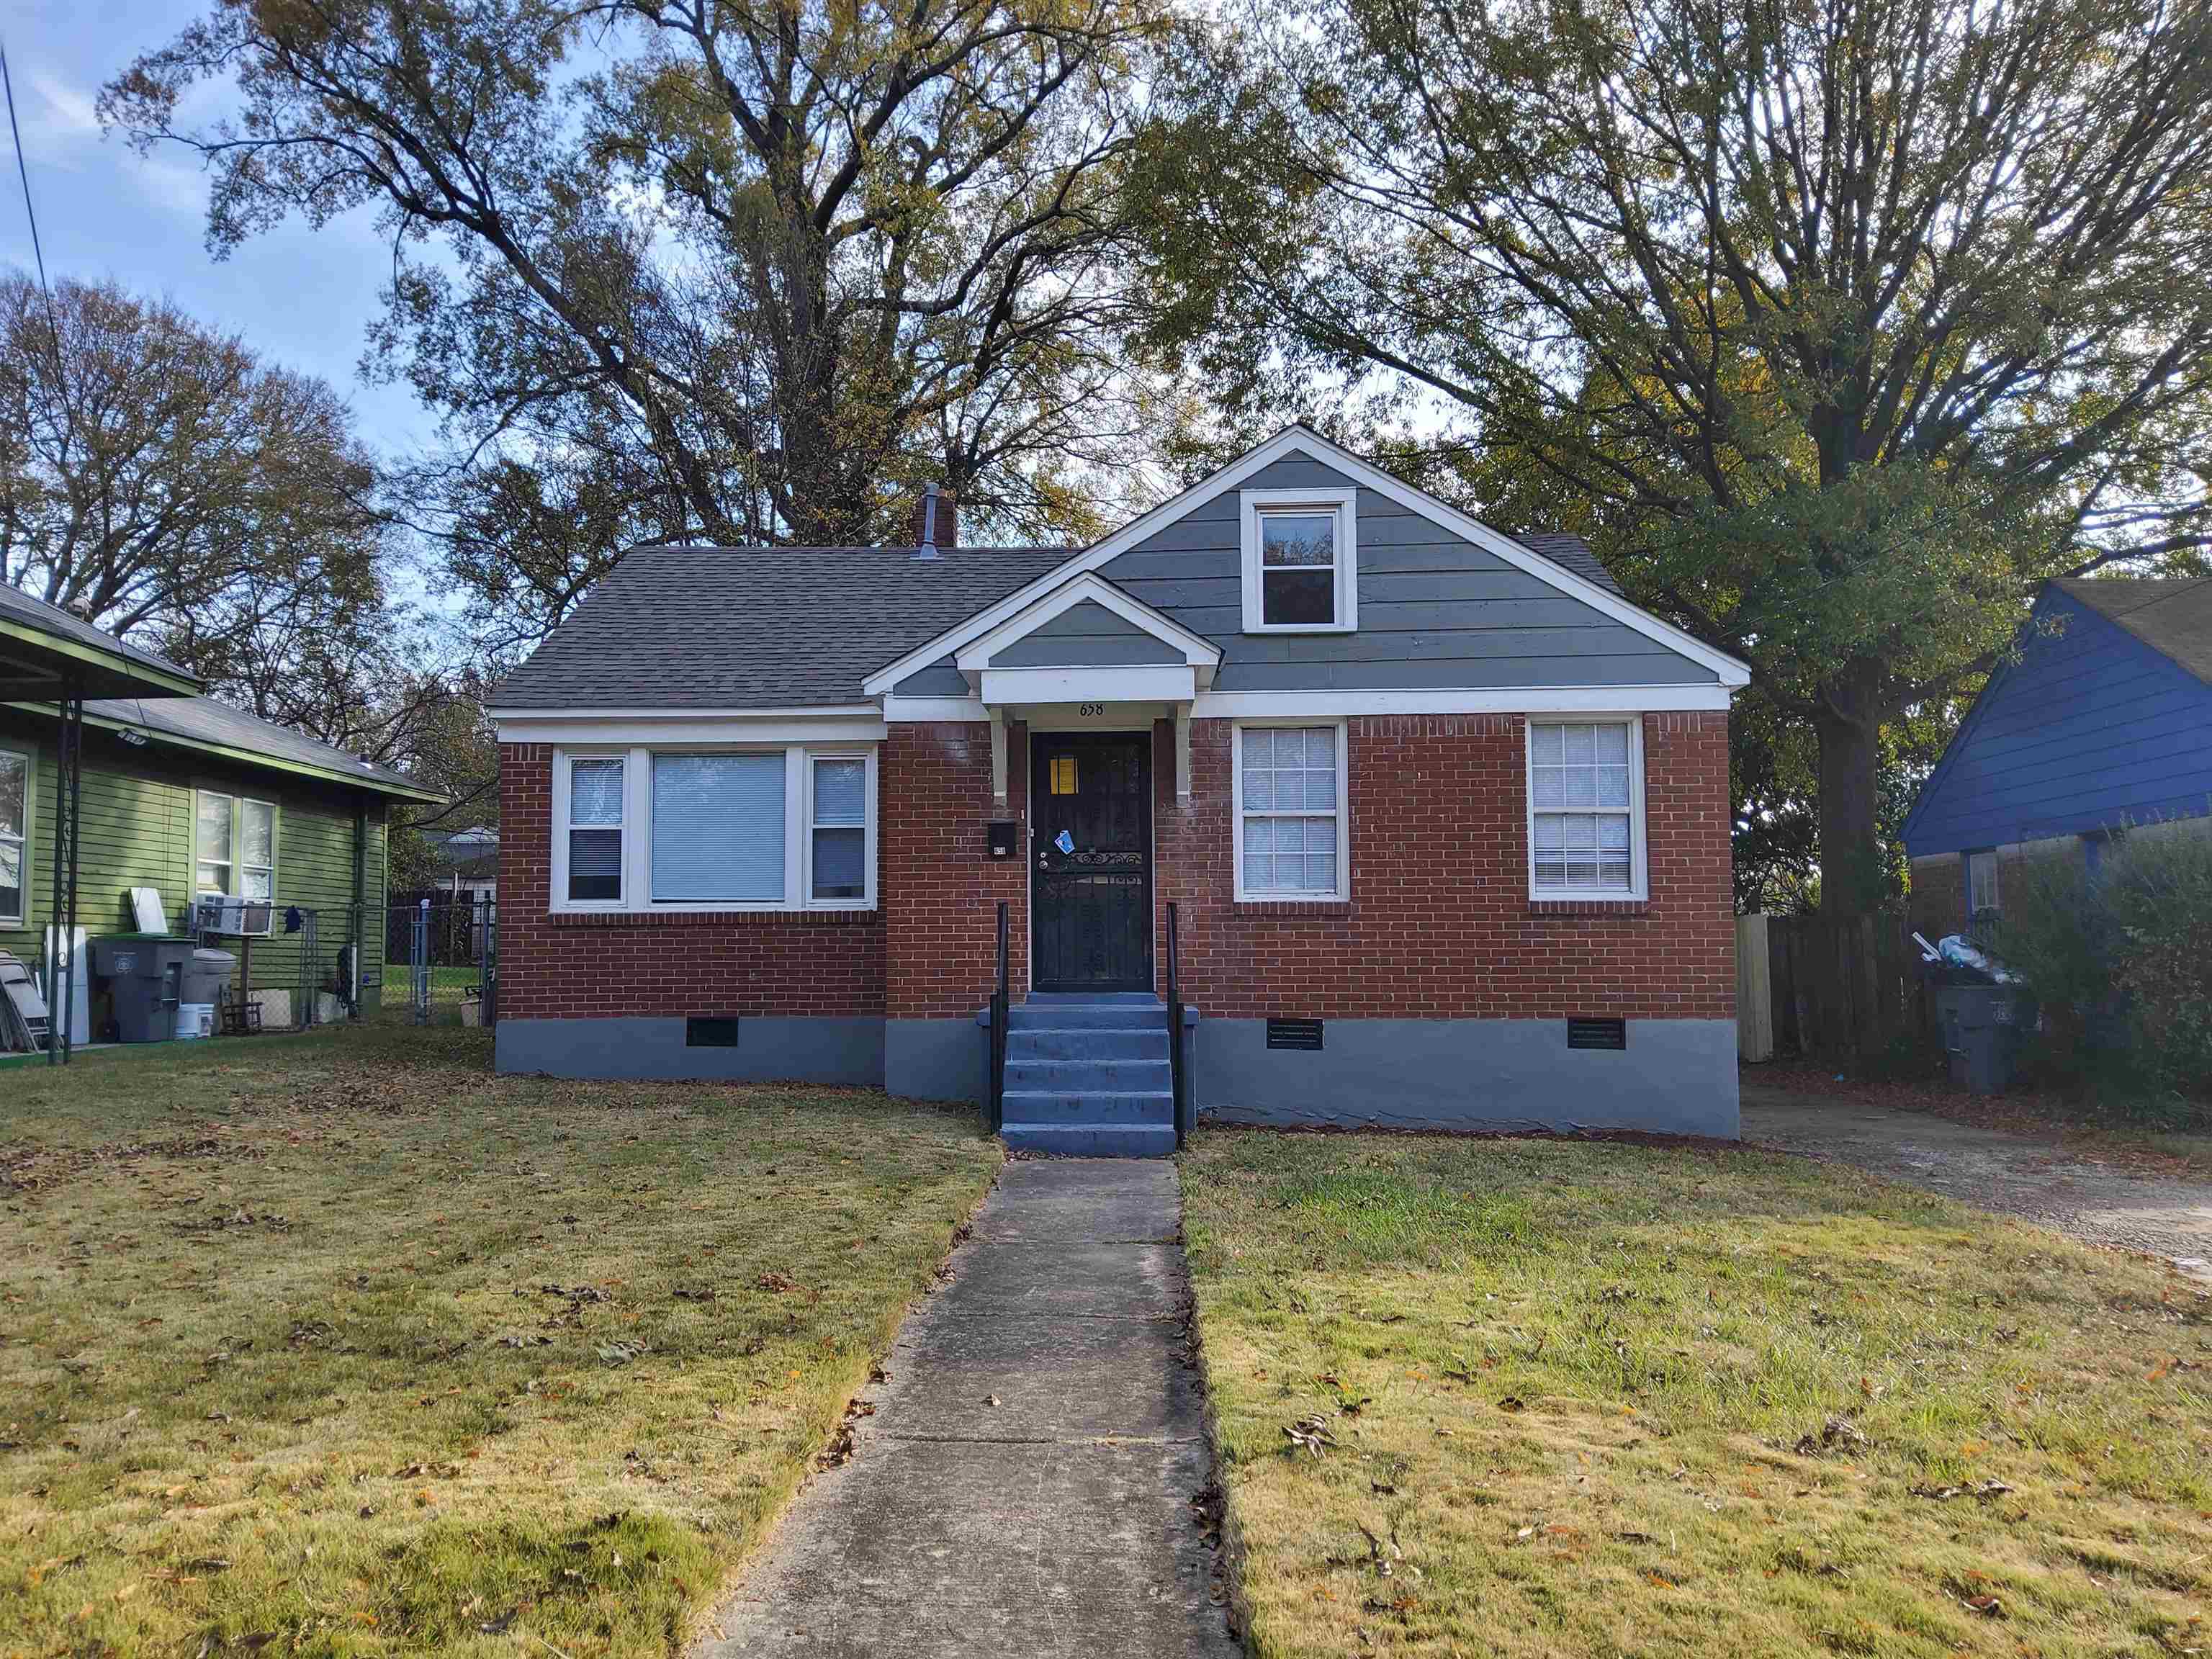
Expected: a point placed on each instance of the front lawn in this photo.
(1577, 1399)
(339, 1343)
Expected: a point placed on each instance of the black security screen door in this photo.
(1091, 860)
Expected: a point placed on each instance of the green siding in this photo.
(135, 829)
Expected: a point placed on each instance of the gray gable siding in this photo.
(942, 678)
(1435, 610)
(1086, 635)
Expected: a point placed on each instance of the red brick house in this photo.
(1444, 817)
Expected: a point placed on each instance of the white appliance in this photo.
(79, 1008)
(236, 918)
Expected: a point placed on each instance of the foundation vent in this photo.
(1294, 1034)
(1597, 1034)
(711, 1033)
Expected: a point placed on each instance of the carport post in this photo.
(60, 932)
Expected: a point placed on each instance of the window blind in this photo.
(718, 829)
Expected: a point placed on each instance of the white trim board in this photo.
(1731, 672)
(1501, 700)
(676, 730)
(1334, 705)
(814, 711)
(1160, 682)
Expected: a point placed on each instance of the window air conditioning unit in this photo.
(234, 918)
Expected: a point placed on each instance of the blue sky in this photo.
(298, 296)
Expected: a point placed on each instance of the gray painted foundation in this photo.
(769, 1049)
(1675, 1076)
(934, 1059)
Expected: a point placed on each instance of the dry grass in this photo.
(1609, 1399)
(340, 1344)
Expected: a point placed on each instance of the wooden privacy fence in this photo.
(1829, 985)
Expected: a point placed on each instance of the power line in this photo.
(30, 212)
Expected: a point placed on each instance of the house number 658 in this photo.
(1088, 709)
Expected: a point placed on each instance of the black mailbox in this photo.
(1000, 838)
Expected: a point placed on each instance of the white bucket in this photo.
(195, 1019)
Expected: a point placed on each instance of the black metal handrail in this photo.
(1178, 1062)
(1001, 1001)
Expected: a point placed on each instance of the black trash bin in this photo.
(1981, 1034)
(145, 981)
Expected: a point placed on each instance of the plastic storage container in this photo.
(207, 975)
(1980, 1034)
(145, 981)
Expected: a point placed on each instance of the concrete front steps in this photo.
(1087, 1076)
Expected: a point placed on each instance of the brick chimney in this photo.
(936, 522)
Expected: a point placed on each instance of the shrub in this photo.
(2119, 962)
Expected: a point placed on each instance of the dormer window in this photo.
(1300, 561)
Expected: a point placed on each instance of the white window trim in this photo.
(1343, 504)
(233, 859)
(562, 760)
(1639, 884)
(867, 901)
(1996, 907)
(1343, 892)
(20, 917)
(637, 831)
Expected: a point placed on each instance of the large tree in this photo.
(1835, 323)
(747, 270)
(159, 478)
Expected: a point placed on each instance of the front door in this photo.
(1091, 874)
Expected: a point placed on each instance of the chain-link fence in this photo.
(440, 959)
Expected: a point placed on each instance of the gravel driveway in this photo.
(2098, 1202)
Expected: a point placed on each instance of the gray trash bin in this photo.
(1981, 1034)
(145, 979)
(207, 975)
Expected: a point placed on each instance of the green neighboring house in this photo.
(189, 796)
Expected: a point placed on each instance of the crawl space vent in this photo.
(1597, 1034)
(710, 1033)
(1294, 1034)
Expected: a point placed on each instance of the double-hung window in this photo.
(1982, 884)
(234, 845)
(837, 839)
(782, 827)
(1585, 809)
(1290, 808)
(1301, 560)
(15, 836)
(591, 833)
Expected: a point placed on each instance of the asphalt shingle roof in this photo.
(2170, 615)
(204, 720)
(1569, 553)
(25, 611)
(695, 627)
(690, 627)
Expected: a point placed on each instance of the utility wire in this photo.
(30, 212)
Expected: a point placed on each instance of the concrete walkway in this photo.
(1028, 1482)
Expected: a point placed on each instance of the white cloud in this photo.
(73, 108)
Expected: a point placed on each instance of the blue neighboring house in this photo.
(2102, 724)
